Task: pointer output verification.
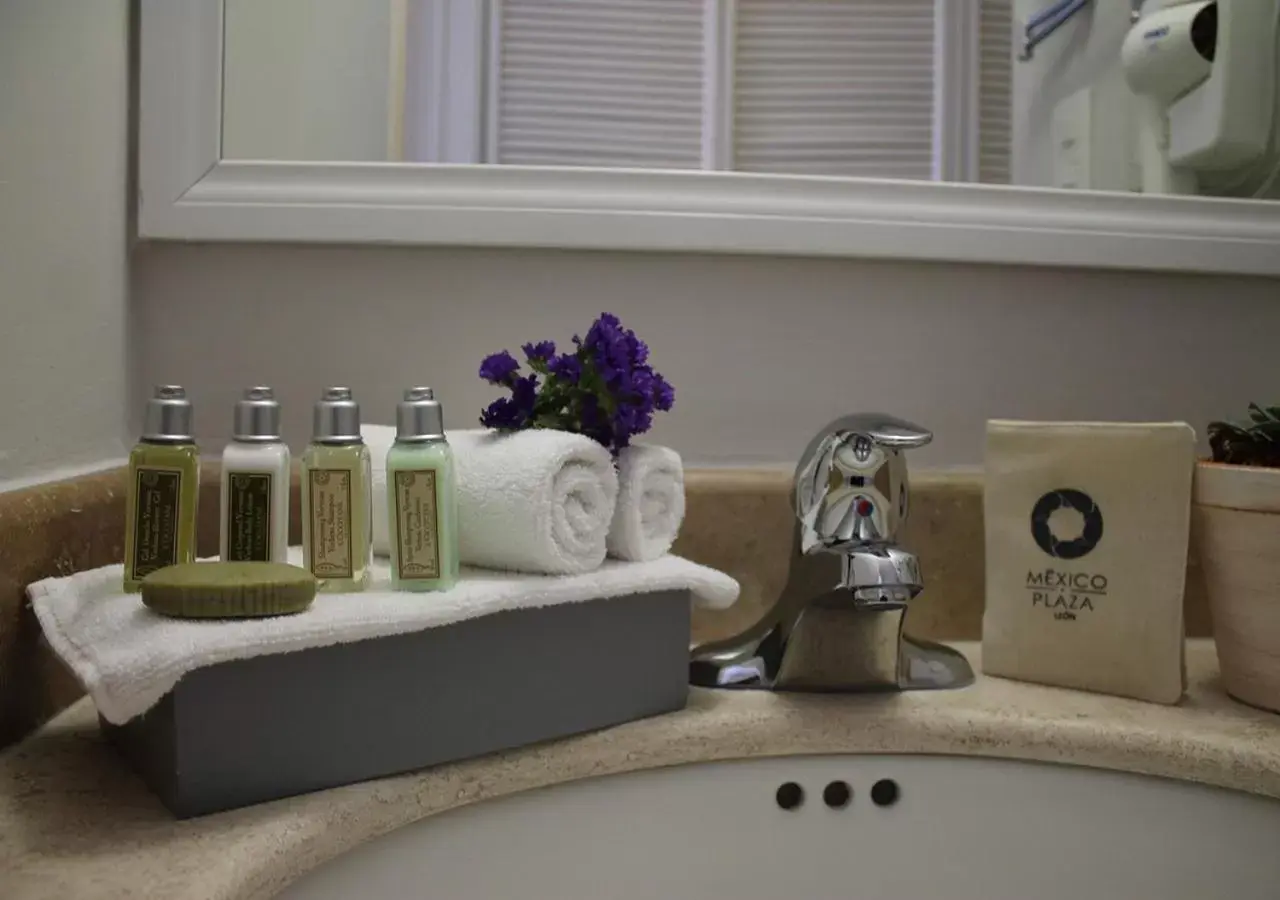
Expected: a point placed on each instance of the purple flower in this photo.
(501, 413)
(616, 344)
(642, 382)
(609, 345)
(524, 393)
(639, 349)
(539, 352)
(498, 368)
(566, 367)
(512, 412)
(631, 419)
(603, 330)
(664, 395)
(603, 388)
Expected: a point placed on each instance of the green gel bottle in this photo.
(164, 482)
(422, 497)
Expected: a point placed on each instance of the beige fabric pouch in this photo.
(1087, 527)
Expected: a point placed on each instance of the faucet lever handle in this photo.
(884, 430)
(850, 487)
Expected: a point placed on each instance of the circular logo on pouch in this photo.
(1066, 546)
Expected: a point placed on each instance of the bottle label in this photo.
(417, 525)
(249, 516)
(330, 502)
(155, 528)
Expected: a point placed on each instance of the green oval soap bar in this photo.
(228, 590)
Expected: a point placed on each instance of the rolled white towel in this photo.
(532, 501)
(650, 505)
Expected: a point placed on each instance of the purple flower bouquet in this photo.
(604, 389)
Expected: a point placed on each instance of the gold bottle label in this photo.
(330, 496)
(155, 527)
(417, 529)
(249, 516)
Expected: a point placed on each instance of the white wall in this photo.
(763, 351)
(310, 79)
(64, 126)
(1083, 53)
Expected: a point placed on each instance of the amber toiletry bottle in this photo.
(337, 512)
(164, 482)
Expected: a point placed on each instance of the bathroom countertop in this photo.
(74, 822)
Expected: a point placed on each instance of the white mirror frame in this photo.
(188, 192)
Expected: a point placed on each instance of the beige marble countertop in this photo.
(74, 822)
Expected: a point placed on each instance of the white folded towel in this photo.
(128, 657)
(650, 504)
(529, 501)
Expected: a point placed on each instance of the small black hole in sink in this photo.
(790, 795)
(837, 794)
(884, 792)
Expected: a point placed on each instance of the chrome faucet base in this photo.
(930, 666)
(837, 625)
(833, 651)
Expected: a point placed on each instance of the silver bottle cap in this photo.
(168, 416)
(419, 416)
(257, 418)
(336, 419)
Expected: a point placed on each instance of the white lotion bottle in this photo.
(254, 520)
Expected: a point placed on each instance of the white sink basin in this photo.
(961, 828)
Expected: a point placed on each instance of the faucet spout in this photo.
(881, 578)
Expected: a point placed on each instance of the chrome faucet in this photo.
(837, 626)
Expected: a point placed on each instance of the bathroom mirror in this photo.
(1064, 132)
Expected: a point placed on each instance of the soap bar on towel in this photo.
(650, 505)
(529, 501)
(1086, 532)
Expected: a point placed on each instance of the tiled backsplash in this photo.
(739, 521)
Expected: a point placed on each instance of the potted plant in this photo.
(1236, 509)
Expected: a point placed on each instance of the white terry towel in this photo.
(650, 504)
(529, 501)
(128, 657)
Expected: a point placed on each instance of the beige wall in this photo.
(762, 351)
(64, 125)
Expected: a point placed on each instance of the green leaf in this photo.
(550, 420)
(592, 383)
(1257, 414)
(1269, 430)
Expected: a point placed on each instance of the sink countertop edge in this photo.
(75, 822)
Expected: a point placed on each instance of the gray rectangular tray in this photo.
(273, 726)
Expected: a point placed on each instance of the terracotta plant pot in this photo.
(1236, 524)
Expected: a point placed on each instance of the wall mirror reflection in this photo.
(1165, 97)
